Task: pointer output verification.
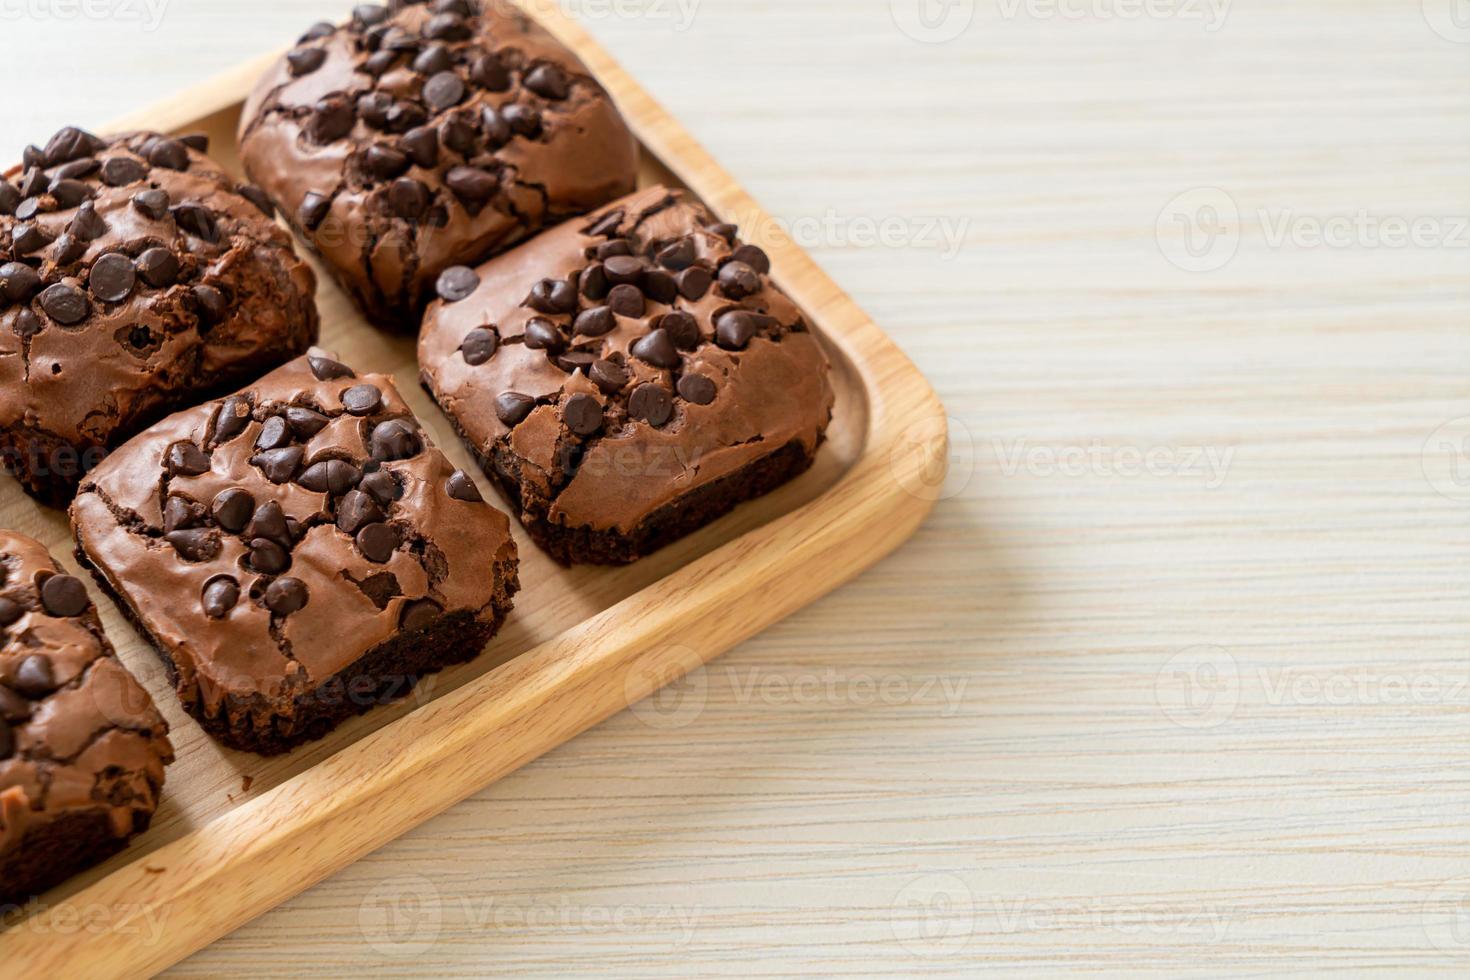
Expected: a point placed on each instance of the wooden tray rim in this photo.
(269, 848)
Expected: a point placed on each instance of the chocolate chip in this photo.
(608, 375)
(274, 434)
(198, 142)
(268, 557)
(553, 296)
(479, 346)
(651, 403)
(64, 596)
(69, 193)
(682, 329)
(623, 269)
(258, 197)
(384, 162)
(377, 542)
(314, 209)
(734, 329)
(32, 156)
(34, 677)
(169, 154)
(88, 225)
(113, 278)
(593, 282)
(696, 388)
(27, 238)
(158, 267)
(64, 304)
(29, 208)
(626, 300)
(472, 184)
(422, 146)
(379, 63)
(575, 360)
(152, 203)
(408, 198)
(285, 596)
(220, 596)
(26, 324)
(459, 486)
(419, 615)
(582, 414)
(67, 249)
(543, 335)
(694, 282)
(318, 31)
(373, 109)
(754, 257)
(13, 707)
(33, 183)
(512, 407)
(180, 512)
(70, 143)
(446, 27)
(394, 439)
(522, 120)
(232, 509)
(305, 422)
(405, 115)
(332, 120)
(10, 611)
(460, 136)
(549, 82)
(739, 280)
(269, 522)
(496, 129)
(195, 544)
(333, 476)
(122, 171)
(443, 91)
(7, 741)
(18, 282)
(76, 170)
(279, 465)
(657, 349)
(594, 322)
(304, 61)
(457, 283)
(678, 256)
(356, 510)
(326, 369)
(660, 286)
(369, 14)
(432, 60)
(362, 399)
(197, 220)
(212, 304)
(488, 73)
(9, 197)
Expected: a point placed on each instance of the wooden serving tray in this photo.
(237, 834)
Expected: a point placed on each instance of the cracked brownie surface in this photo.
(135, 276)
(421, 136)
(627, 378)
(82, 749)
(297, 552)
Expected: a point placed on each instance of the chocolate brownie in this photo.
(82, 749)
(296, 552)
(135, 278)
(421, 136)
(628, 378)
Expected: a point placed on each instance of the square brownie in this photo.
(296, 552)
(82, 748)
(628, 378)
(420, 136)
(135, 279)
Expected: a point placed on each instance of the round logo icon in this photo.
(1450, 19)
(1446, 916)
(932, 21)
(1199, 688)
(934, 459)
(934, 915)
(669, 691)
(401, 916)
(1199, 230)
(1446, 459)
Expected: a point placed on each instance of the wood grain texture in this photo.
(1090, 799)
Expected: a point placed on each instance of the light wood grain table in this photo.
(1177, 678)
